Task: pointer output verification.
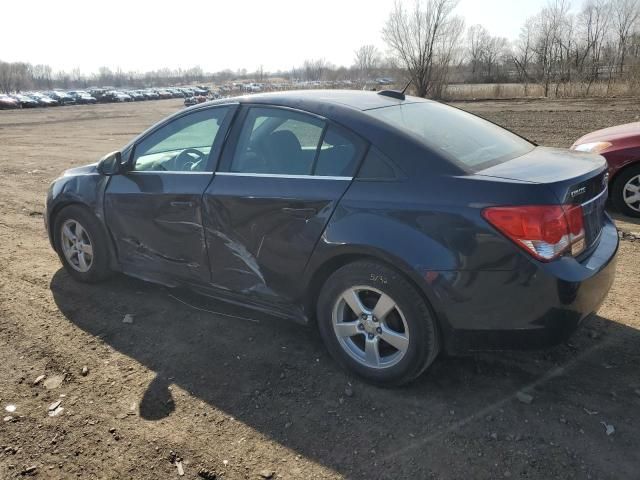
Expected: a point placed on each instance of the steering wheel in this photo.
(184, 161)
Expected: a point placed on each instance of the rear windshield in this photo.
(468, 140)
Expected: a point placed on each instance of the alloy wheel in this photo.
(370, 327)
(631, 193)
(76, 246)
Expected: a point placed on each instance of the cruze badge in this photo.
(577, 192)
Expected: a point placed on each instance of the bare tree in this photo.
(366, 61)
(493, 52)
(119, 78)
(559, 49)
(523, 53)
(77, 79)
(15, 76)
(547, 26)
(450, 53)
(477, 37)
(563, 43)
(19, 76)
(423, 38)
(485, 51)
(259, 75)
(626, 14)
(594, 20)
(63, 78)
(314, 70)
(6, 77)
(42, 76)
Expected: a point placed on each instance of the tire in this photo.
(96, 266)
(409, 324)
(628, 176)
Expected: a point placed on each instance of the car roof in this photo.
(348, 109)
(314, 100)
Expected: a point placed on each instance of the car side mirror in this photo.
(111, 164)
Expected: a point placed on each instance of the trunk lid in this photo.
(575, 178)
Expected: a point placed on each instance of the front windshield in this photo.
(460, 136)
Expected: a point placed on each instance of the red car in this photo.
(7, 102)
(620, 145)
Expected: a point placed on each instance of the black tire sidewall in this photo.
(423, 333)
(617, 191)
(100, 264)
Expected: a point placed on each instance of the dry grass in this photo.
(490, 91)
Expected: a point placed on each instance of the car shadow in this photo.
(276, 377)
(622, 219)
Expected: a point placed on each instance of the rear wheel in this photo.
(375, 323)
(81, 245)
(625, 192)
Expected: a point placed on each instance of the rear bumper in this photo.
(533, 307)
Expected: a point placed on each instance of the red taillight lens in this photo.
(545, 231)
(574, 219)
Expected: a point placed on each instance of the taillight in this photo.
(545, 231)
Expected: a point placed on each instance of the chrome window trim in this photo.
(277, 175)
(165, 172)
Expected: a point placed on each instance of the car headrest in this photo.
(283, 143)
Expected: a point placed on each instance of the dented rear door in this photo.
(281, 177)
(261, 230)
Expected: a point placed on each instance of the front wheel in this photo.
(81, 245)
(625, 192)
(375, 323)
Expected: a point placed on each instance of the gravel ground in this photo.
(233, 394)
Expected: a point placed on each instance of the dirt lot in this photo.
(243, 398)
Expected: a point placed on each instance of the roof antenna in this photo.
(398, 95)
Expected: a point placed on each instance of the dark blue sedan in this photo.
(400, 226)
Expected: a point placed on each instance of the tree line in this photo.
(561, 49)
(564, 50)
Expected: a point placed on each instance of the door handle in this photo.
(181, 204)
(300, 212)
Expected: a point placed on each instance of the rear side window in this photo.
(468, 140)
(285, 142)
(339, 154)
(277, 141)
(307, 132)
(377, 166)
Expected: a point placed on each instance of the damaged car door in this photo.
(154, 209)
(281, 176)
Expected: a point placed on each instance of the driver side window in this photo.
(184, 145)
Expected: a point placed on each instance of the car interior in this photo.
(289, 147)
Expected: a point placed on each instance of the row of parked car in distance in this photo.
(95, 95)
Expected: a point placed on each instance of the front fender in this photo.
(82, 186)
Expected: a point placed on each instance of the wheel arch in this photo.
(55, 211)
(616, 188)
(323, 270)
(619, 171)
(319, 276)
(71, 202)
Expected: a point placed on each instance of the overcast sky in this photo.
(278, 34)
